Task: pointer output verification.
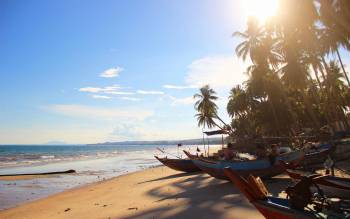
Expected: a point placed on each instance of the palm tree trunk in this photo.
(225, 124)
(342, 66)
(272, 108)
(289, 106)
(316, 75)
(325, 67)
(220, 120)
(310, 111)
(323, 92)
(217, 125)
(275, 118)
(333, 108)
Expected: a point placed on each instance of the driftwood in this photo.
(47, 173)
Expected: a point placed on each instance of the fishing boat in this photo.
(261, 167)
(300, 204)
(332, 186)
(184, 165)
(316, 156)
(187, 165)
(342, 150)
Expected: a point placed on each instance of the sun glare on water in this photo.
(261, 9)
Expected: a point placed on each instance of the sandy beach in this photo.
(153, 193)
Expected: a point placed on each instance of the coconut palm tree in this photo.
(335, 33)
(331, 44)
(251, 39)
(296, 32)
(238, 103)
(207, 108)
(280, 95)
(337, 93)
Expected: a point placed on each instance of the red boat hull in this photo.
(270, 207)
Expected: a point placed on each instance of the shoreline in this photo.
(157, 192)
(21, 189)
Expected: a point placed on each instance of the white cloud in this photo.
(221, 71)
(114, 90)
(179, 87)
(143, 131)
(150, 92)
(90, 112)
(119, 93)
(99, 89)
(130, 98)
(112, 72)
(100, 97)
(127, 131)
(182, 101)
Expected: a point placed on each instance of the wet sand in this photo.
(26, 177)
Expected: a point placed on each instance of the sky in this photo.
(95, 71)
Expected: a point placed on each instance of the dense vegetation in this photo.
(297, 79)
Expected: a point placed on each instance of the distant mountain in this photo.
(164, 142)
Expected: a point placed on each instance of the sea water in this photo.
(92, 163)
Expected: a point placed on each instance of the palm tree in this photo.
(296, 32)
(238, 103)
(334, 32)
(337, 92)
(207, 108)
(331, 44)
(251, 39)
(240, 108)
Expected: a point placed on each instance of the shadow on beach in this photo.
(202, 196)
(169, 177)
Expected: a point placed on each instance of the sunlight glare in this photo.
(261, 9)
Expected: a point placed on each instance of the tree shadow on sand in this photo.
(205, 197)
(170, 177)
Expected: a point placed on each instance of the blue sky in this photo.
(95, 71)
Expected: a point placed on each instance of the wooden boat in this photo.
(342, 150)
(316, 156)
(332, 186)
(281, 208)
(261, 167)
(184, 165)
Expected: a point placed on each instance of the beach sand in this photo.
(152, 193)
(159, 193)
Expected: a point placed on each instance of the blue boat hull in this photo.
(262, 168)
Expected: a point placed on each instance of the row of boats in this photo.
(312, 196)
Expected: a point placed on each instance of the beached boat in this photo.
(285, 208)
(184, 165)
(260, 167)
(316, 156)
(342, 150)
(332, 186)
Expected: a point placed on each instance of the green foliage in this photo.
(206, 107)
(292, 84)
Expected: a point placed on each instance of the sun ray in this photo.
(261, 9)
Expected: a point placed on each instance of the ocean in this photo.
(92, 163)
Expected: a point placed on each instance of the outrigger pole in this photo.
(167, 153)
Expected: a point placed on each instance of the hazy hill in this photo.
(165, 142)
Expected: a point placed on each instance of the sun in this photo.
(261, 9)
